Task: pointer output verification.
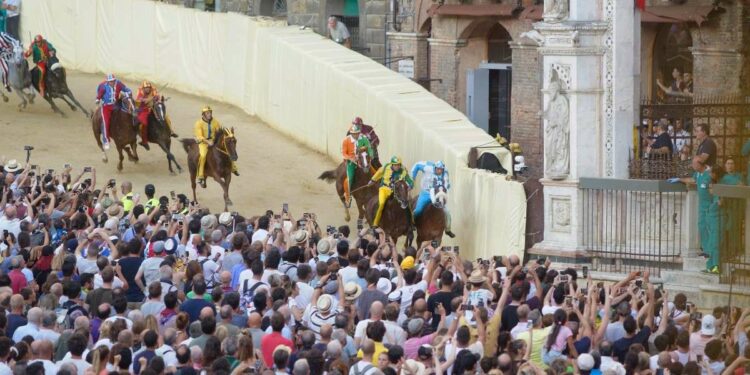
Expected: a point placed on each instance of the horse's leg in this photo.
(54, 106)
(73, 98)
(193, 172)
(134, 147)
(170, 157)
(72, 107)
(131, 157)
(22, 105)
(225, 186)
(340, 191)
(5, 98)
(122, 157)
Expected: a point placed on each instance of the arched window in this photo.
(498, 49)
(673, 60)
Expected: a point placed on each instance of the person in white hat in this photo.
(699, 339)
(322, 311)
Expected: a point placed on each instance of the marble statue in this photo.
(556, 131)
(555, 10)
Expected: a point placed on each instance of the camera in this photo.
(87, 169)
(28, 148)
(111, 183)
(330, 229)
(334, 276)
(519, 165)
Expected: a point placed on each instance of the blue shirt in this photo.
(148, 354)
(194, 306)
(236, 270)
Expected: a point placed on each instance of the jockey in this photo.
(387, 175)
(41, 51)
(107, 94)
(353, 145)
(369, 132)
(7, 49)
(205, 131)
(145, 99)
(435, 178)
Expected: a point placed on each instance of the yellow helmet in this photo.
(146, 84)
(396, 160)
(206, 109)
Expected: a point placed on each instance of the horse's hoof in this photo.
(73, 109)
(105, 160)
(228, 202)
(5, 99)
(171, 173)
(347, 218)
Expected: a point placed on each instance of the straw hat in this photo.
(299, 236)
(352, 290)
(115, 211)
(12, 166)
(225, 218)
(324, 303)
(477, 277)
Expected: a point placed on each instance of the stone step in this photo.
(693, 264)
(693, 278)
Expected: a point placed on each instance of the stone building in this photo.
(483, 58)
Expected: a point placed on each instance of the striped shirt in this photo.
(7, 43)
(317, 319)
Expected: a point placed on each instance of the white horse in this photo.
(20, 77)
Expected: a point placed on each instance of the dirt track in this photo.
(273, 168)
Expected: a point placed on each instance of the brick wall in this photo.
(717, 52)
(444, 66)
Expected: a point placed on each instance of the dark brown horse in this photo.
(122, 130)
(431, 222)
(218, 161)
(360, 191)
(158, 132)
(56, 87)
(396, 219)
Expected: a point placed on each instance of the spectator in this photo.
(706, 152)
(338, 32)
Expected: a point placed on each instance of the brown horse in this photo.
(218, 161)
(431, 222)
(122, 130)
(360, 191)
(396, 219)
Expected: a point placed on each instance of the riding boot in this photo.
(235, 171)
(347, 193)
(202, 182)
(144, 138)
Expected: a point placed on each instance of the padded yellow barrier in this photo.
(298, 82)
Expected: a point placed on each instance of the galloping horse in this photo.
(218, 161)
(121, 129)
(56, 87)
(396, 219)
(158, 132)
(431, 222)
(20, 78)
(360, 191)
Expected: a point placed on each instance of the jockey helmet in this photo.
(110, 77)
(439, 165)
(354, 129)
(38, 38)
(357, 121)
(396, 160)
(206, 109)
(146, 84)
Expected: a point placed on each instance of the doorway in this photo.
(488, 91)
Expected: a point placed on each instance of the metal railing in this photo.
(633, 225)
(727, 117)
(729, 218)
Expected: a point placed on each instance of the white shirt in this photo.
(14, 225)
(407, 292)
(168, 354)
(128, 322)
(522, 326)
(5, 370)
(16, 3)
(349, 274)
(305, 294)
(210, 270)
(259, 235)
(30, 329)
(81, 365)
(339, 33)
(217, 250)
(48, 334)
(360, 368)
(98, 282)
(267, 273)
(150, 269)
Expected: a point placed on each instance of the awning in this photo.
(534, 13)
(676, 14)
(473, 10)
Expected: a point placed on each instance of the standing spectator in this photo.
(16, 317)
(77, 345)
(193, 306)
(235, 257)
(681, 137)
(706, 152)
(443, 298)
(13, 8)
(130, 264)
(662, 146)
(149, 268)
(17, 278)
(370, 294)
(338, 32)
(366, 365)
(270, 342)
(150, 341)
(154, 305)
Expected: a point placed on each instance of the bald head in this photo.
(81, 322)
(42, 349)
(376, 310)
(206, 312)
(368, 348)
(420, 306)
(254, 320)
(10, 212)
(56, 289)
(125, 338)
(513, 260)
(127, 187)
(226, 312)
(35, 315)
(326, 330)
(226, 277)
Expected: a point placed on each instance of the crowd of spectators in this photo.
(97, 279)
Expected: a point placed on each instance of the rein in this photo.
(224, 151)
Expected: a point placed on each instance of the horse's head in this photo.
(17, 57)
(127, 100)
(229, 142)
(401, 192)
(160, 111)
(441, 198)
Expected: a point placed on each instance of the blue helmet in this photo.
(439, 165)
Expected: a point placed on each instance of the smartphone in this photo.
(66, 166)
(112, 183)
(434, 244)
(564, 278)
(700, 358)
(172, 195)
(285, 207)
(660, 371)
(585, 271)
(5, 233)
(639, 283)
(34, 166)
(360, 225)
(569, 301)
(465, 307)
(541, 261)
(87, 169)
(50, 171)
(334, 276)
(277, 217)
(455, 249)
(529, 324)
(498, 260)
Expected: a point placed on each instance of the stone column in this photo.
(589, 107)
(444, 55)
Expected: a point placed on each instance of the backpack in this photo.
(363, 371)
(209, 283)
(74, 311)
(247, 294)
(288, 267)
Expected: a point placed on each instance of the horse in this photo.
(158, 132)
(218, 161)
(431, 222)
(122, 130)
(361, 193)
(396, 219)
(56, 87)
(19, 77)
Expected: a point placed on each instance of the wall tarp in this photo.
(296, 81)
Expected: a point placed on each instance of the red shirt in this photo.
(17, 280)
(269, 343)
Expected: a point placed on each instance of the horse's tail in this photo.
(328, 176)
(187, 143)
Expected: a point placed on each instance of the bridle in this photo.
(227, 134)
